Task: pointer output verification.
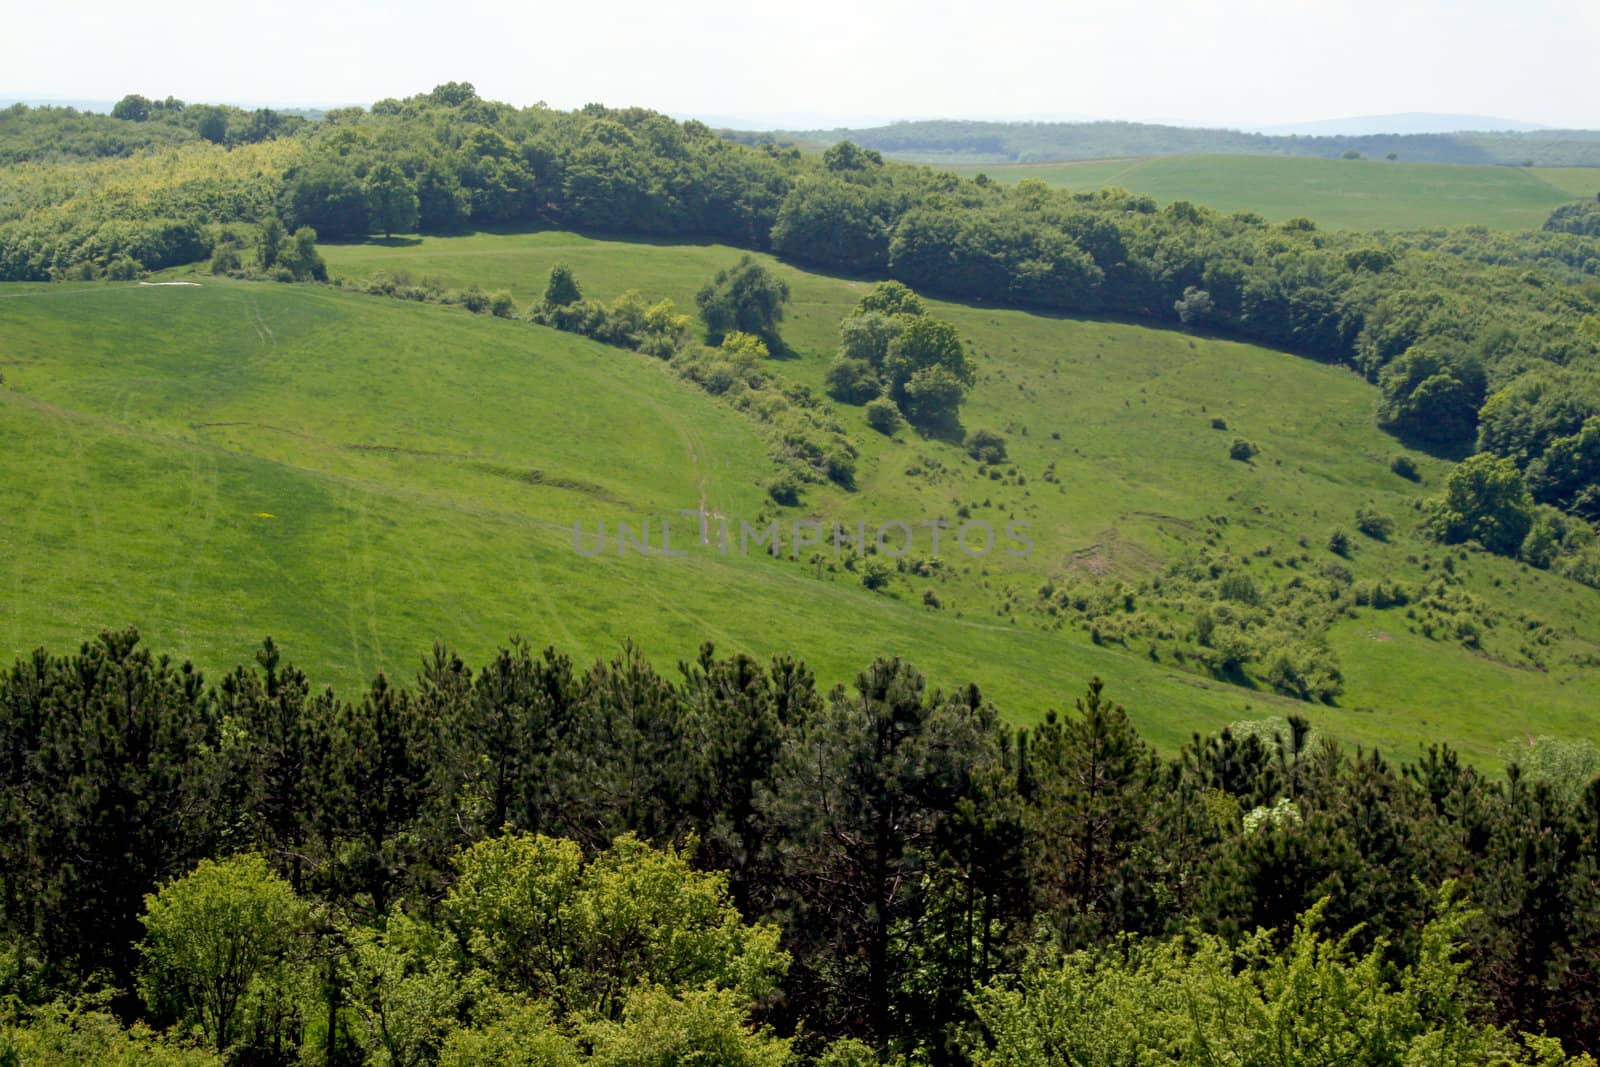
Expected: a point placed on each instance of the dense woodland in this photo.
(540, 862)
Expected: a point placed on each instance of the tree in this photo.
(1430, 394)
(391, 198)
(132, 108)
(747, 297)
(867, 335)
(1485, 500)
(107, 788)
(544, 923)
(215, 940)
(832, 223)
(924, 343)
(1568, 474)
(405, 990)
(1090, 792)
(325, 194)
(865, 797)
(211, 123)
(1194, 307)
(847, 156)
(271, 244)
(890, 298)
(562, 288)
(302, 258)
(853, 381)
(695, 1027)
(933, 398)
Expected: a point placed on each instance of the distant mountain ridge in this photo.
(965, 141)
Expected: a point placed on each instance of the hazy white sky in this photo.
(1237, 61)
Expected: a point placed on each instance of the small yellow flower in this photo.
(265, 515)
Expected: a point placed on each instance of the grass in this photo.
(357, 477)
(1336, 193)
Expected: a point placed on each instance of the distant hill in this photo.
(1042, 142)
(1406, 122)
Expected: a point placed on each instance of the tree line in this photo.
(614, 865)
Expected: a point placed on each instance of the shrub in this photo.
(853, 381)
(1194, 307)
(882, 415)
(1242, 450)
(1405, 467)
(1374, 523)
(501, 305)
(1238, 587)
(986, 446)
(742, 345)
(123, 269)
(840, 467)
(225, 260)
(1339, 543)
(474, 300)
(785, 490)
(875, 574)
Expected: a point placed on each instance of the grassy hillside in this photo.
(1337, 193)
(357, 475)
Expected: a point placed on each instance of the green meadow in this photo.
(1363, 194)
(356, 475)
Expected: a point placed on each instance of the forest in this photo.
(540, 862)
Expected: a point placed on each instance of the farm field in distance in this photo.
(1357, 194)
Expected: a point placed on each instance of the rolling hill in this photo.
(177, 447)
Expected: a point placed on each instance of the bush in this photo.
(1242, 450)
(501, 305)
(882, 415)
(1339, 543)
(785, 490)
(840, 467)
(225, 260)
(1406, 468)
(740, 345)
(853, 381)
(875, 573)
(1194, 307)
(986, 446)
(1374, 523)
(123, 269)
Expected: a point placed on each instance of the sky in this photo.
(1240, 62)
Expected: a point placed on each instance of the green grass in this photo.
(1336, 193)
(355, 477)
(149, 431)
